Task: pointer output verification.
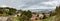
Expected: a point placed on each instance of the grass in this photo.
(47, 19)
(15, 19)
(53, 18)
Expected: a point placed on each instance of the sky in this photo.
(30, 4)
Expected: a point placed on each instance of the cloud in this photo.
(30, 4)
(41, 5)
(38, 7)
(53, 3)
(33, 2)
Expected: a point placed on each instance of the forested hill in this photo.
(7, 10)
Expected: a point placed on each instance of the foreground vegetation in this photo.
(26, 15)
(55, 16)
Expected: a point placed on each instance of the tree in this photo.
(28, 14)
(19, 11)
(12, 11)
(44, 16)
(23, 18)
(1, 10)
(57, 10)
(52, 13)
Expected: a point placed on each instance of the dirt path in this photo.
(3, 18)
(52, 18)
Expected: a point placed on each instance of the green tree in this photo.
(28, 14)
(52, 13)
(1, 11)
(12, 11)
(57, 10)
(44, 16)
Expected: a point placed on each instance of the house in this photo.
(47, 14)
(40, 15)
(17, 14)
(37, 16)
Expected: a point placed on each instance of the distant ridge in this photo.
(41, 10)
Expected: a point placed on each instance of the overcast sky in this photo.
(30, 4)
